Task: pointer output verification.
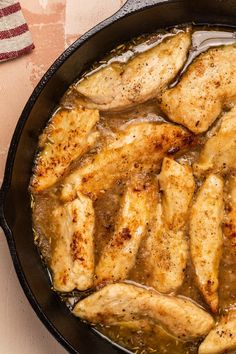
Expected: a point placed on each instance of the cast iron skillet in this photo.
(136, 17)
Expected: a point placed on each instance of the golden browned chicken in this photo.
(138, 148)
(166, 249)
(219, 152)
(178, 185)
(122, 85)
(72, 249)
(222, 338)
(206, 237)
(120, 302)
(200, 96)
(66, 138)
(230, 216)
(119, 255)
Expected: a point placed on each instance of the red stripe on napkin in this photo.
(18, 53)
(14, 31)
(10, 9)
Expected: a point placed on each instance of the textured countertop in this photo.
(54, 25)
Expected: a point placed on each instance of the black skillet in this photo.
(135, 18)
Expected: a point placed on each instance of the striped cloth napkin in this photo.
(15, 38)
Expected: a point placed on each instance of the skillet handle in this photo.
(133, 5)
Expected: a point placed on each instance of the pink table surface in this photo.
(54, 25)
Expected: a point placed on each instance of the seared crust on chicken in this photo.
(219, 152)
(119, 255)
(166, 248)
(206, 237)
(208, 84)
(230, 217)
(65, 139)
(122, 85)
(121, 302)
(138, 148)
(72, 257)
(222, 338)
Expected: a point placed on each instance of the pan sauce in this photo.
(106, 207)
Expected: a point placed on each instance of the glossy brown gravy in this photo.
(106, 208)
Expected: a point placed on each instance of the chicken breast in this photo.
(119, 255)
(230, 217)
(72, 257)
(137, 148)
(178, 185)
(208, 84)
(122, 85)
(222, 338)
(166, 249)
(66, 138)
(219, 152)
(206, 237)
(121, 302)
